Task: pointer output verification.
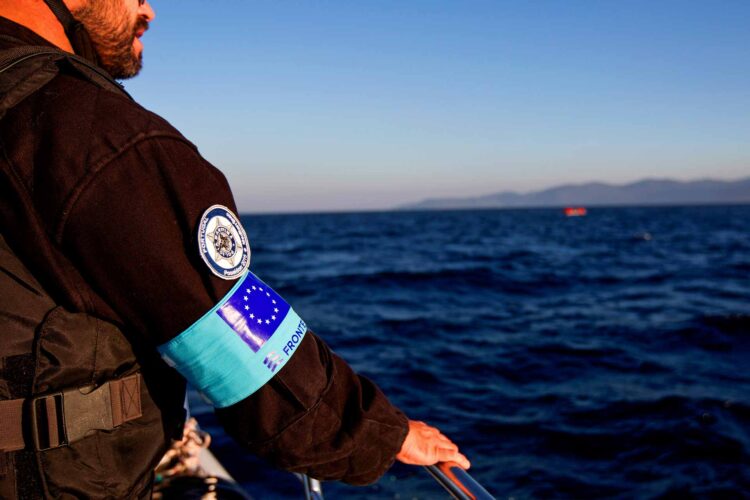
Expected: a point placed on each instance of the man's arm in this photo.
(132, 233)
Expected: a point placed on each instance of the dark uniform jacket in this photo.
(100, 198)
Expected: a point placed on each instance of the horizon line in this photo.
(485, 209)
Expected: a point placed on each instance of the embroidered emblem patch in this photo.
(223, 244)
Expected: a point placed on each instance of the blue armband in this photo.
(239, 345)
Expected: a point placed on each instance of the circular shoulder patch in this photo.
(223, 244)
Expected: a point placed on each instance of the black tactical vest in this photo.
(77, 419)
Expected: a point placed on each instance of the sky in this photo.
(365, 105)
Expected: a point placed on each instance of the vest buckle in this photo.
(48, 422)
(65, 417)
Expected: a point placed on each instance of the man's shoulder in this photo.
(66, 135)
(89, 129)
(114, 121)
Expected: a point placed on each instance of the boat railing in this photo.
(458, 482)
(313, 488)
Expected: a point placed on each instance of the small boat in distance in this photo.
(575, 211)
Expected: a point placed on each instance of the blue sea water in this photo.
(605, 356)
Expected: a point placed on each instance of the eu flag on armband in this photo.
(254, 311)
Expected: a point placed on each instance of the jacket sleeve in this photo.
(320, 418)
(131, 230)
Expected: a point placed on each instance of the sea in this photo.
(605, 356)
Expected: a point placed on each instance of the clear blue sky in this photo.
(334, 105)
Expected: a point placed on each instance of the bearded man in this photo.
(117, 216)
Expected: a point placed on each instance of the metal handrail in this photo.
(313, 487)
(450, 476)
(458, 482)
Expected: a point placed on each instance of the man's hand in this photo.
(425, 445)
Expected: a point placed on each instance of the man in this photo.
(118, 216)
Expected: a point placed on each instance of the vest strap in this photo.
(62, 418)
(11, 425)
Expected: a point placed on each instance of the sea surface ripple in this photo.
(605, 356)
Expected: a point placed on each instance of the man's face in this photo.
(115, 27)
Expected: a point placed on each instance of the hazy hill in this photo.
(645, 192)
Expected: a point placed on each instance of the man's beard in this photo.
(112, 33)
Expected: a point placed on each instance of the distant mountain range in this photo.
(645, 192)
